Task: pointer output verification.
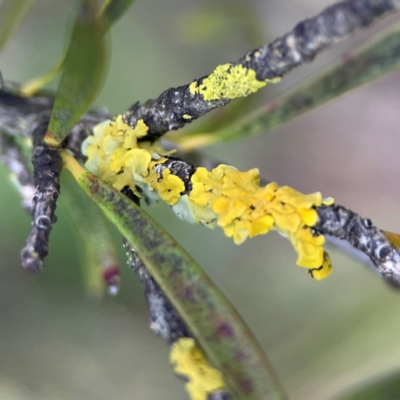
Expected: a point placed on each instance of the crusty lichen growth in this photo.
(189, 361)
(224, 197)
(228, 81)
(235, 201)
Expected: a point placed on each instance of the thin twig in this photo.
(334, 220)
(19, 116)
(177, 106)
(165, 321)
(46, 177)
(362, 234)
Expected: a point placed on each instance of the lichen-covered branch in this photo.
(203, 381)
(231, 199)
(224, 196)
(362, 234)
(26, 118)
(46, 178)
(132, 163)
(177, 106)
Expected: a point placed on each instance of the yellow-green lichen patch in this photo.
(169, 187)
(244, 209)
(189, 361)
(324, 270)
(115, 155)
(228, 81)
(222, 197)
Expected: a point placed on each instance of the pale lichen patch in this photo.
(227, 81)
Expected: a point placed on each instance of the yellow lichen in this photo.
(115, 155)
(244, 209)
(222, 197)
(324, 270)
(169, 187)
(228, 81)
(189, 361)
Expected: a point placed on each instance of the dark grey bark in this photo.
(301, 45)
(363, 235)
(47, 166)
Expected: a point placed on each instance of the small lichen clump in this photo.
(189, 361)
(225, 197)
(228, 81)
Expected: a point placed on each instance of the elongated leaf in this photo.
(100, 263)
(82, 77)
(31, 87)
(11, 15)
(208, 314)
(113, 10)
(364, 66)
(386, 388)
(110, 12)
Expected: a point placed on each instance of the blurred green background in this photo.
(323, 338)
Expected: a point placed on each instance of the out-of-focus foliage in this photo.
(100, 262)
(78, 87)
(108, 14)
(12, 14)
(386, 388)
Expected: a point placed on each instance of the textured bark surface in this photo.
(20, 116)
(302, 44)
(362, 234)
(165, 321)
(47, 166)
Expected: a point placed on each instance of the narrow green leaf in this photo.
(100, 260)
(214, 322)
(113, 10)
(12, 14)
(362, 67)
(386, 388)
(82, 77)
(33, 86)
(110, 12)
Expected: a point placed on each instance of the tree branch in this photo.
(177, 106)
(46, 178)
(19, 116)
(360, 232)
(165, 321)
(333, 220)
